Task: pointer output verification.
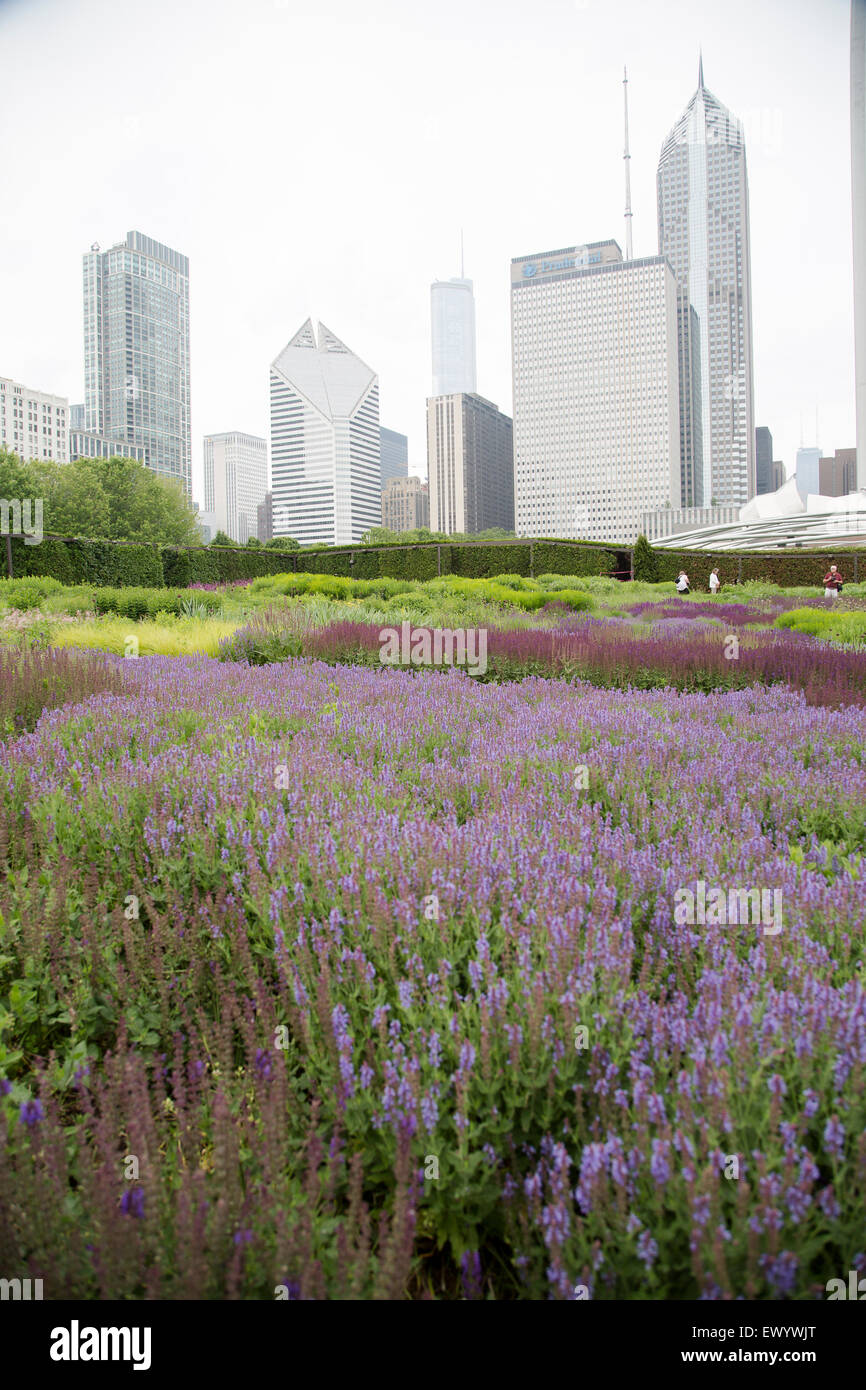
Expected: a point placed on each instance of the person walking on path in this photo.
(715, 581)
(682, 582)
(832, 583)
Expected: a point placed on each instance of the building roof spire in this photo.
(700, 71)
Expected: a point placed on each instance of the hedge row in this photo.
(791, 569)
(150, 566)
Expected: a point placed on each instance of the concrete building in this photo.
(763, 460)
(837, 473)
(858, 202)
(265, 519)
(596, 386)
(325, 442)
(675, 521)
(778, 474)
(470, 465)
(33, 424)
(405, 504)
(806, 471)
(394, 450)
(136, 351)
(703, 220)
(452, 316)
(84, 445)
(235, 482)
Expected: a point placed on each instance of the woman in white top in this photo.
(715, 582)
(683, 583)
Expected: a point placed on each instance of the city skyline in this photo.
(372, 275)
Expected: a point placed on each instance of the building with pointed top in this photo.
(325, 442)
(703, 220)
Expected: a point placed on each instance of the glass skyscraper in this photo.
(136, 351)
(452, 315)
(395, 454)
(703, 217)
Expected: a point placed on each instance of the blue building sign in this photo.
(532, 268)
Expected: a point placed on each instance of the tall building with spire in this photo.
(452, 317)
(703, 218)
(325, 443)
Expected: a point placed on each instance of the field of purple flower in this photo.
(368, 983)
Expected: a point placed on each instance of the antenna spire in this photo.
(627, 158)
(461, 254)
(700, 70)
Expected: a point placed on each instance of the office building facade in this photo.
(265, 518)
(235, 482)
(394, 450)
(33, 424)
(84, 445)
(470, 465)
(136, 352)
(596, 412)
(452, 318)
(405, 504)
(675, 521)
(837, 473)
(763, 460)
(703, 222)
(325, 442)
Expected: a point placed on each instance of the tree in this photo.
(254, 543)
(112, 499)
(282, 543)
(222, 539)
(645, 562)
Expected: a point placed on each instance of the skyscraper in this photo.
(596, 413)
(858, 201)
(703, 217)
(395, 454)
(452, 316)
(235, 482)
(325, 445)
(136, 351)
(763, 460)
(808, 471)
(470, 465)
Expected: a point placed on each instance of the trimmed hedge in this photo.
(790, 568)
(109, 565)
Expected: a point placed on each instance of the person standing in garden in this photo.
(832, 583)
(682, 582)
(715, 581)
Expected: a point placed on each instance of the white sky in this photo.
(319, 157)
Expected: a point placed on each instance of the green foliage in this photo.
(282, 543)
(222, 539)
(146, 603)
(645, 566)
(830, 623)
(108, 499)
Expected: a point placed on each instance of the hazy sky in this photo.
(319, 157)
